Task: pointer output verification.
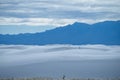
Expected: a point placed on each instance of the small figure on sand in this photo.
(63, 77)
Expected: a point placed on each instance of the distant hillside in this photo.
(107, 32)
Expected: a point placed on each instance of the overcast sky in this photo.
(54, 13)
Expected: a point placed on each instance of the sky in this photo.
(30, 16)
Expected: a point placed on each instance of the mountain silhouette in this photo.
(107, 33)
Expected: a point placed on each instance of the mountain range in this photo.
(107, 32)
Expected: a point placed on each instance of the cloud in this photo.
(52, 11)
(47, 21)
(12, 55)
(36, 21)
(41, 21)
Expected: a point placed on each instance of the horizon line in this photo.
(51, 28)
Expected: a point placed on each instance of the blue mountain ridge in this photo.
(107, 33)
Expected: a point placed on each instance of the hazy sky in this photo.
(46, 14)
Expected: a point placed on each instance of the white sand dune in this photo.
(23, 54)
(55, 60)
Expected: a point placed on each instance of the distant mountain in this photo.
(107, 33)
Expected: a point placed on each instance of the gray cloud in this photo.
(81, 10)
